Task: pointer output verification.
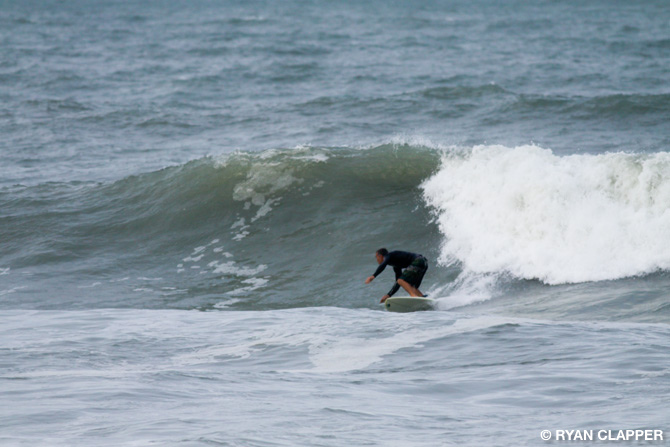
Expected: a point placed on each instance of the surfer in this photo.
(409, 279)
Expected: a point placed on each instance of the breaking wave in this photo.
(529, 213)
(297, 227)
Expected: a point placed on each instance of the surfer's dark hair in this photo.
(383, 252)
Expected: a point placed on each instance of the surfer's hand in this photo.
(384, 298)
(369, 280)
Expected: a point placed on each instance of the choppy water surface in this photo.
(191, 194)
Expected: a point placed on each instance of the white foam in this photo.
(246, 343)
(318, 157)
(238, 223)
(265, 208)
(240, 236)
(254, 283)
(196, 251)
(264, 179)
(231, 268)
(125, 278)
(468, 288)
(242, 233)
(227, 303)
(349, 354)
(211, 354)
(536, 215)
(414, 140)
(223, 253)
(4, 271)
(12, 290)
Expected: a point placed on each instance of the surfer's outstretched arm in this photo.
(382, 266)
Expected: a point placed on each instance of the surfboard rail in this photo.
(408, 304)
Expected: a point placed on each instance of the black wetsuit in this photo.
(415, 265)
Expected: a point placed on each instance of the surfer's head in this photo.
(381, 254)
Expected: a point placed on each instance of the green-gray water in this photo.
(191, 195)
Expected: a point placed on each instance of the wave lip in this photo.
(526, 212)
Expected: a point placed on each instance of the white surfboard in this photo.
(408, 304)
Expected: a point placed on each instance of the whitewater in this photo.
(526, 212)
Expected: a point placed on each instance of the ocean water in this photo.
(191, 194)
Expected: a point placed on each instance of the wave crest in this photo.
(526, 212)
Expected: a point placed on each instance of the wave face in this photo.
(280, 228)
(528, 213)
(298, 228)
